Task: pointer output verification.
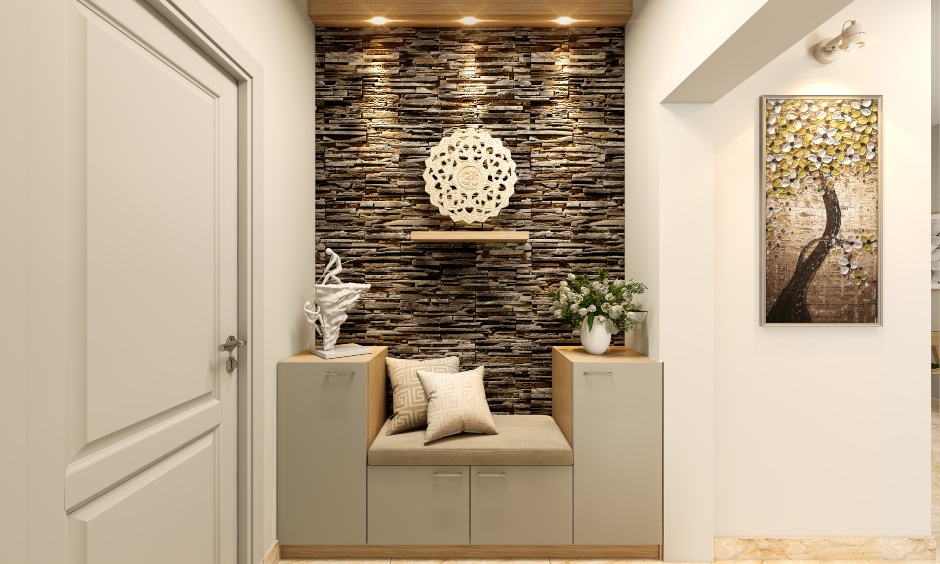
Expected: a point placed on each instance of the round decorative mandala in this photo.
(470, 176)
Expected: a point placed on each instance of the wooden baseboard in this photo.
(274, 555)
(471, 552)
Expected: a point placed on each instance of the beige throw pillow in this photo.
(409, 403)
(456, 404)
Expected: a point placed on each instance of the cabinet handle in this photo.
(346, 374)
(448, 475)
(598, 373)
(495, 475)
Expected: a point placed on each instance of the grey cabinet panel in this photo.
(618, 453)
(517, 505)
(321, 457)
(419, 505)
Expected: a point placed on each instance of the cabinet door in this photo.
(618, 453)
(419, 505)
(321, 456)
(520, 505)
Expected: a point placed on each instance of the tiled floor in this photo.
(546, 561)
(935, 527)
(590, 562)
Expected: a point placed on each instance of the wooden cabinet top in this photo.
(305, 356)
(613, 354)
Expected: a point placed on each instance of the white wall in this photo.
(666, 248)
(279, 36)
(816, 431)
(935, 73)
(826, 431)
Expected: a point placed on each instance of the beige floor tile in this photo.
(441, 561)
(343, 561)
(600, 561)
(520, 561)
(503, 561)
(573, 561)
(825, 561)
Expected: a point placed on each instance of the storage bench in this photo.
(514, 488)
(348, 490)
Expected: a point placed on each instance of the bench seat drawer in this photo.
(419, 505)
(518, 505)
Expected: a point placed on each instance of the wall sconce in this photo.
(852, 38)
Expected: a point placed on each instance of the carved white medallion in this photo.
(470, 176)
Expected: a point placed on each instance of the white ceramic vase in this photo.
(638, 318)
(629, 337)
(595, 340)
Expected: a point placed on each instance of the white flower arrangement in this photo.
(603, 300)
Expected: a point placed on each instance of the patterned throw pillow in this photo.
(456, 404)
(409, 404)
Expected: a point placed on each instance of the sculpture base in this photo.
(339, 351)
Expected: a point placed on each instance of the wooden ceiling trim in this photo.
(493, 13)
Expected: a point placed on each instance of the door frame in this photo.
(194, 21)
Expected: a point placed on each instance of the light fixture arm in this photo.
(832, 44)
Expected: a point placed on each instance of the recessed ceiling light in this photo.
(469, 20)
(565, 20)
(379, 20)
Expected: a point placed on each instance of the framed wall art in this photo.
(821, 202)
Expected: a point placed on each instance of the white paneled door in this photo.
(152, 226)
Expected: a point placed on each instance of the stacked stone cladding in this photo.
(555, 98)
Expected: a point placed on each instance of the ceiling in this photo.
(493, 13)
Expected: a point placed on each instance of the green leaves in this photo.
(601, 300)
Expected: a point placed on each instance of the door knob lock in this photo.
(229, 346)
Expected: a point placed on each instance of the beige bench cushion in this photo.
(523, 440)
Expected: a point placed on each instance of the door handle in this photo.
(229, 346)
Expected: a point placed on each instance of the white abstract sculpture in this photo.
(470, 176)
(331, 298)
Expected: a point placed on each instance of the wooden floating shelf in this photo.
(469, 236)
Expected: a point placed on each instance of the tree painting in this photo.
(821, 205)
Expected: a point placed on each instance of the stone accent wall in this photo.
(555, 99)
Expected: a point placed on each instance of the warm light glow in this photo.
(379, 20)
(565, 20)
(855, 46)
(469, 20)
